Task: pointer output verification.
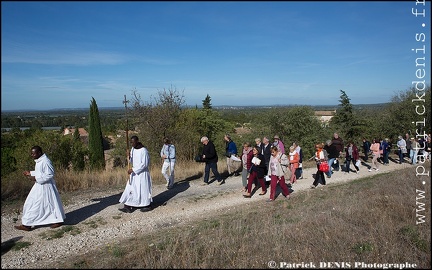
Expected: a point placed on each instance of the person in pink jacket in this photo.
(375, 149)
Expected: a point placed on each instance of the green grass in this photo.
(59, 233)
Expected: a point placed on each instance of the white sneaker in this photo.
(376, 169)
(369, 170)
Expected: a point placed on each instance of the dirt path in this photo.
(99, 221)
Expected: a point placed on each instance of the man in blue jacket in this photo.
(230, 149)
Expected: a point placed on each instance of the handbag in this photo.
(358, 163)
(286, 171)
(323, 166)
(198, 158)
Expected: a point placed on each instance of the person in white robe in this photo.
(138, 190)
(43, 204)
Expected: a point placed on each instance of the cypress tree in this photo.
(96, 150)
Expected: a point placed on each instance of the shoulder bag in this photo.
(324, 166)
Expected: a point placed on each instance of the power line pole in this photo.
(127, 126)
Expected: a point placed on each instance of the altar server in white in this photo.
(138, 191)
(43, 205)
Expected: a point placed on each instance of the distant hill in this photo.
(219, 107)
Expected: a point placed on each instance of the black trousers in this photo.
(319, 178)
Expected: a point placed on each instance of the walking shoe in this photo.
(126, 209)
(221, 182)
(369, 170)
(146, 208)
(55, 225)
(357, 172)
(269, 200)
(204, 184)
(23, 228)
(376, 169)
(312, 186)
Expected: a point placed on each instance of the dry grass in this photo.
(370, 220)
(16, 186)
(68, 181)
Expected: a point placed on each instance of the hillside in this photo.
(96, 221)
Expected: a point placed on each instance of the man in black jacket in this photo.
(210, 158)
(366, 148)
(332, 154)
(338, 143)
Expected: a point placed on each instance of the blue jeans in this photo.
(213, 167)
(330, 163)
(401, 156)
(413, 156)
(386, 159)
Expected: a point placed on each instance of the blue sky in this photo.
(61, 54)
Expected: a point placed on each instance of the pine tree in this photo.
(207, 103)
(345, 120)
(96, 149)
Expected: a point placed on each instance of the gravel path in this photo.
(99, 221)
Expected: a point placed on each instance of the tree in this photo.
(296, 124)
(207, 103)
(76, 134)
(96, 149)
(78, 151)
(344, 120)
(406, 114)
(158, 117)
(211, 123)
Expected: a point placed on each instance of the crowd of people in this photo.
(264, 165)
(284, 169)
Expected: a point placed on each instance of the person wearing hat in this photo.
(279, 144)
